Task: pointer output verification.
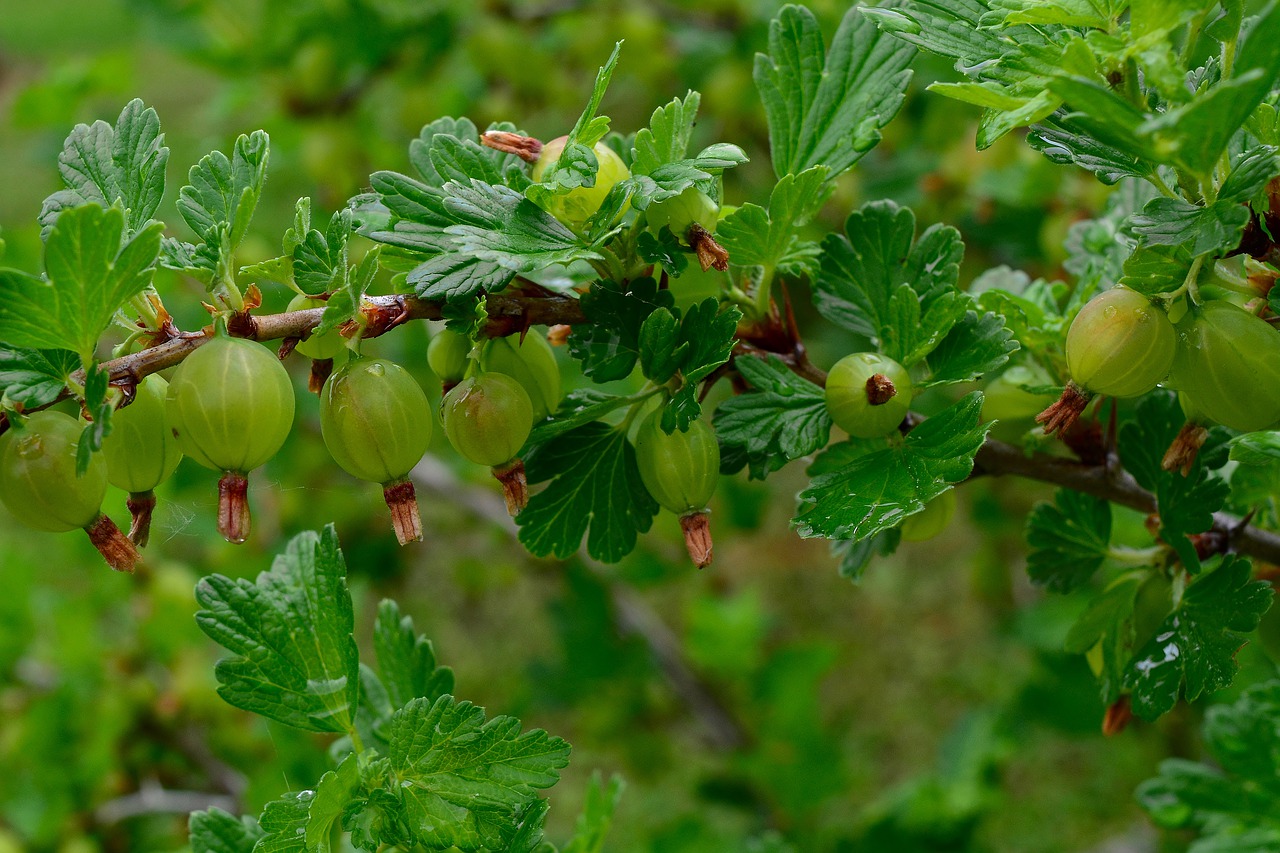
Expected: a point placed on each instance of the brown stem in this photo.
(697, 537)
(403, 503)
(141, 505)
(234, 522)
(113, 545)
(515, 488)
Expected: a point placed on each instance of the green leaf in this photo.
(224, 190)
(1068, 540)
(90, 274)
(666, 139)
(595, 491)
(302, 822)
(976, 345)
(1195, 647)
(1062, 142)
(1069, 13)
(597, 815)
(784, 418)
(692, 344)
(449, 149)
(880, 490)
(771, 238)
(954, 30)
(855, 556)
(461, 777)
(1233, 803)
(826, 108)
(104, 165)
(1108, 622)
(100, 410)
(32, 378)
(671, 179)
(406, 660)
(1105, 116)
(215, 831)
(878, 280)
(456, 277)
(1155, 269)
(296, 661)
(609, 347)
(579, 407)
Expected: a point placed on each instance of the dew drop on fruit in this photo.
(376, 370)
(29, 447)
(1109, 311)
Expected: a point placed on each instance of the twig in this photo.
(151, 798)
(634, 615)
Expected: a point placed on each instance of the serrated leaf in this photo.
(976, 345)
(784, 418)
(224, 190)
(1069, 13)
(1194, 649)
(666, 139)
(826, 108)
(579, 407)
(215, 831)
(89, 273)
(597, 815)
(465, 781)
(876, 279)
(290, 631)
(32, 378)
(1068, 540)
(104, 165)
(880, 490)
(456, 277)
(596, 491)
(1059, 140)
(770, 238)
(407, 660)
(302, 821)
(1155, 269)
(609, 347)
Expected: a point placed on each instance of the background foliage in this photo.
(765, 704)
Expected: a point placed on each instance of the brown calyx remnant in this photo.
(710, 253)
(113, 545)
(697, 537)
(515, 487)
(880, 389)
(234, 522)
(558, 335)
(141, 505)
(1063, 414)
(321, 370)
(525, 147)
(1181, 454)
(1119, 714)
(402, 500)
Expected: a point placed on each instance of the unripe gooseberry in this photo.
(532, 363)
(868, 394)
(142, 452)
(447, 356)
(376, 422)
(579, 204)
(1120, 344)
(681, 212)
(488, 418)
(931, 520)
(230, 405)
(1227, 366)
(38, 484)
(681, 470)
(328, 345)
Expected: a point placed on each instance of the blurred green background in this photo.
(765, 704)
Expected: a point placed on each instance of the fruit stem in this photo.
(515, 487)
(114, 547)
(697, 537)
(321, 369)
(1062, 415)
(141, 505)
(234, 522)
(403, 503)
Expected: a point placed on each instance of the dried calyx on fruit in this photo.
(488, 418)
(322, 349)
(230, 405)
(691, 216)
(142, 452)
(1227, 366)
(529, 361)
(1186, 445)
(376, 422)
(868, 394)
(38, 484)
(1120, 345)
(680, 470)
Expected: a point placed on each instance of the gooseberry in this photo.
(328, 345)
(38, 484)
(530, 362)
(868, 394)
(376, 422)
(579, 204)
(681, 212)
(447, 356)
(931, 520)
(230, 405)
(1227, 366)
(1120, 344)
(681, 470)
(488, 418)
(141, 452)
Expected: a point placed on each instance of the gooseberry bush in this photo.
(1160, 351)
